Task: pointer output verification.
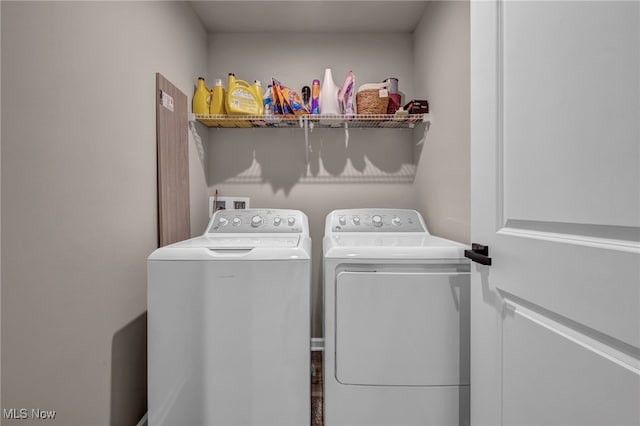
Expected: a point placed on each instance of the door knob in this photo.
(479, 254)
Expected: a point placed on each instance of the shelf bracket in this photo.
(346, 135)
(305, 124)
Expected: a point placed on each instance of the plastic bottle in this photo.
(267, 99)
(217, 99)
(315, 95)
(257, 87)
(242, 98)
(328, 102)
(306, 97)
(201, 98)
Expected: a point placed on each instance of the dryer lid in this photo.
(391, 246)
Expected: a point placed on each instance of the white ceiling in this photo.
(309, 16)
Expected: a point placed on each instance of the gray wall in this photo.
(441, 60)
(79, 202)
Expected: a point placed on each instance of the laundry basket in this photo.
(369, 101)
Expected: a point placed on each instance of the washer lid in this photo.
(238, 247)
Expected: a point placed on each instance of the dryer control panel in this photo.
(376, 220)
(257, 221)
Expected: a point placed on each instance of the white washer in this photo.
(396, 322)
(229, 323)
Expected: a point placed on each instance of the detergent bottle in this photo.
(267, 100)
(201, 98)
(242, 98)
(218, 99)
(257, 87)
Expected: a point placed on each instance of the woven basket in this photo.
(369, 102)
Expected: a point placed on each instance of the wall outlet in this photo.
(228, 203)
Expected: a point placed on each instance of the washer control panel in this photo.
(256, 221)
(376, 220)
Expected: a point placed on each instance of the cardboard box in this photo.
(417, 106)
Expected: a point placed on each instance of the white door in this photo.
(555, 97)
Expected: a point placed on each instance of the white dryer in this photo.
(396, 322)
(229, 323)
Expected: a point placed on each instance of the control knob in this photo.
(236, 221)
(356, 220)
(256, 221)
(291, 221)
(396, 221)
(223, 221)
(376, 220)
(342, 220)
(277, 220)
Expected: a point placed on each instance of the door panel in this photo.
(402, 328)
(570, 112)
(556, 196)
(535, 355)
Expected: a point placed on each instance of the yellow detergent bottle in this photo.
(242, 98)
(218, 99)
(257, 88)
(201, 98)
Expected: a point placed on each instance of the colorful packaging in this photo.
(275, 96)
(280, 105)
(290, 101)
(345, 94)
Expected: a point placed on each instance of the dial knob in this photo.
(236, 221)
(256, 221)
(291, 221)
(376, 220)
(342, 220)
(223, 221)
(395, 220)
(277, 220)
(356, 220)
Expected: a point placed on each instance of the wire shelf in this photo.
(353, 121)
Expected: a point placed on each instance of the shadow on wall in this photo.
(129, 373)
(278, 156)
